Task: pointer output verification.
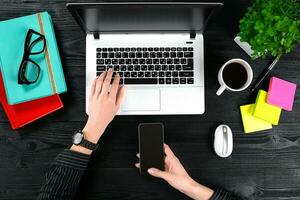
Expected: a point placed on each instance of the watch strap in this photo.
(89, 145)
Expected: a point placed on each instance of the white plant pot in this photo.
(244, 45)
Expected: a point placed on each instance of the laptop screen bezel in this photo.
(73, 7)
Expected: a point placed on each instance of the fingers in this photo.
(99, 83)
(120, 95)
(106, 83)
(137, 165)
(168, 151)
(115, 86)
(159, 174)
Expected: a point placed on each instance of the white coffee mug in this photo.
(223, 85)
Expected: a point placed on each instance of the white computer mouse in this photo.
(223, 141)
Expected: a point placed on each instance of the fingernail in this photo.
(110, 69)
(150, 171)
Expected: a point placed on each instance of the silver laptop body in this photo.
(156, 47)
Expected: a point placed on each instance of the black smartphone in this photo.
(151, 146)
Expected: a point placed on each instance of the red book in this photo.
(25, 113)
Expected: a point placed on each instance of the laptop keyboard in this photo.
(148, 65)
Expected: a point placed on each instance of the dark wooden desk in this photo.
(264, 165)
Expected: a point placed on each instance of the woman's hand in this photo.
(104, 102)
(177, 177)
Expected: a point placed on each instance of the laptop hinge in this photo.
(192, 35)
(96, 36)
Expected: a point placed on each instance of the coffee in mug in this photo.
(235, 75)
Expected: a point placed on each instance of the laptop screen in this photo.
(144, 17)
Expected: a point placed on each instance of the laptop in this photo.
(156, 47)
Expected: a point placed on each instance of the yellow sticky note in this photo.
(251, 123)
(265, 111)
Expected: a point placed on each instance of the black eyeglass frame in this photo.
(28, 45)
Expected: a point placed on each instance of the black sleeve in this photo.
(221, 194)
(64, 176)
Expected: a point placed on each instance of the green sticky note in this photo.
(265, 111)
(251, 123)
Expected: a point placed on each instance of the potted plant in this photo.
(270, 27)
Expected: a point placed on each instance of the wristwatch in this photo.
(78, 139)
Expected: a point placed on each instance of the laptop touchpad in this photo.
(141, 99)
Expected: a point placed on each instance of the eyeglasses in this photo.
(29, 71)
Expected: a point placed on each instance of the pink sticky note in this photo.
(281, 93)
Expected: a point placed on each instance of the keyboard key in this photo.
(186, 74)
(150, 49)
(107, 61)
(175, 80)
(161, 49)
(98, 73)
(178, 67)
(156, 49)
(179, 54)
(137, 67)
(121, 74)
(171, 67)
(101, 68)
(184, 49)
(118, 55)
(98, 55)
(131, 55)
(116, 49)
(104, 55)
(133, 74)
(183, 61)
(154, 74)
(173, 49)
(161, 74)
(127, 49)
(110, 49)
(162, 61)
(168, 80)
(187, 67)
(100, 61)
(104, 49)
(130, 67)
(114, 61)
(157, 67)
(144, 68)
(139, 55)
(191, 49)
(124, 55)
(190, 80)
(109, 66)
(147, 74)
(164, 67)
(116, 68)
(155, 61)
(149, 61)
(169, 61)
(127, 74)
(128, 61)
(159, 54)
(182, 80)
(152, 54)
(146, 55)
(141, 81)
(175, 74)
(161, 81)
(135, 61)
(123, 68)
(176, 61)
(122, 49)
(144, 49)
(166, 54)
(179, 49)
(139, 49)
(133, 49)
(141, 74)
(168, 49)
(188, 54)
(168, 74)
(173, 54)
(150, 67)
(142, 61)
(98, 49)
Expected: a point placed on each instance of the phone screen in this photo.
(151, 140)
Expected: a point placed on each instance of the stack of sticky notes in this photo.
(268, 105)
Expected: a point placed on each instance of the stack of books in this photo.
(25, 103)
(267, 108)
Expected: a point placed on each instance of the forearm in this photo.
(64, 176)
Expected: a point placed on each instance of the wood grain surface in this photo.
(264, 165)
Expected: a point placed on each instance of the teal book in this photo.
(12, 38)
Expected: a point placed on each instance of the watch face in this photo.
(77, 138)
